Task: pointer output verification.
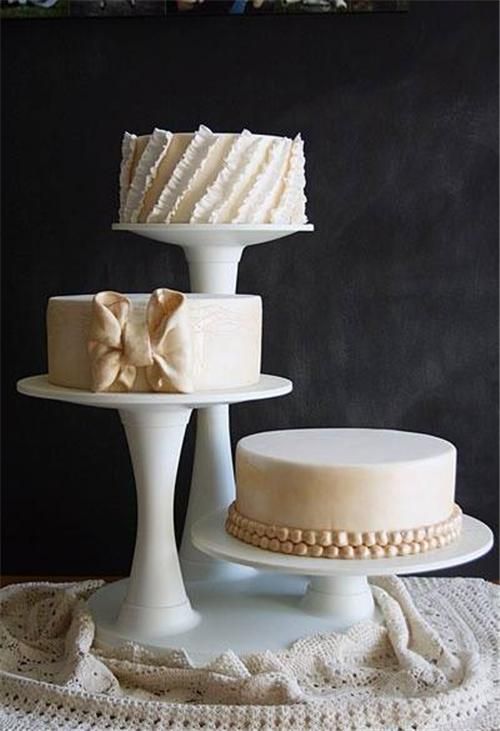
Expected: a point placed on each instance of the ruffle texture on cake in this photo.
(215, 178)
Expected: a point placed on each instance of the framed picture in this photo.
(19, 9)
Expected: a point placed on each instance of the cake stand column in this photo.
(213, 269)
(212, 488)
(156, 603)
(348, 599)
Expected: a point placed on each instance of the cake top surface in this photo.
(350, 447)
(139, 297)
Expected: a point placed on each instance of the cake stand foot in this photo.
(348, 599)
(156, 603)
(212, 488)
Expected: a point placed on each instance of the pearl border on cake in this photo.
(341, 543)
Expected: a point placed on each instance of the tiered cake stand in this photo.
(213, 253)
(154, 603)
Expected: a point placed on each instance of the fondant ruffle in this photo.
(187, 168)
(145, 172)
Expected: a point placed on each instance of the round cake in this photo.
(345, 493)
(204, 177)
(166, 341)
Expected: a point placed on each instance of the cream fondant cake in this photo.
(345, 493)
(166, 341)
(204, 177)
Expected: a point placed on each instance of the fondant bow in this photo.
(123, 338)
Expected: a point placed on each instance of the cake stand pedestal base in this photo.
(347, 598)
(291, 598)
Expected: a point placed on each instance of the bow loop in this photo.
(123, 338)
(168, 325)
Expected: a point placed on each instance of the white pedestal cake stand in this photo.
(155, 604)
(213, 253)
(290, 598)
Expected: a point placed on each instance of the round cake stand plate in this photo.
(290, 598)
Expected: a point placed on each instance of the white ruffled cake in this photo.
(345, 493)
(204, 177)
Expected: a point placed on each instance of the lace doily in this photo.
(432, 666)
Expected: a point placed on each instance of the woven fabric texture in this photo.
(432, 665)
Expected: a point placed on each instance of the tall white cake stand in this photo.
(155, 603)
(213, 253)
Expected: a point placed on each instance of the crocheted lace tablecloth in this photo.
(432, 665)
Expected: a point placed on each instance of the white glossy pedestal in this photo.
(339, 587)
(213, 253)
(278, 605)
(155, 604)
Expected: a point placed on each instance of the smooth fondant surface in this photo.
(226, 335)
(345, 479)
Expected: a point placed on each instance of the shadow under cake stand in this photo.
(155, 603)
(213, 253)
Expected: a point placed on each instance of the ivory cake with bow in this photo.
(164, 342)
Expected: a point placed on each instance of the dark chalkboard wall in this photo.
(386, 316)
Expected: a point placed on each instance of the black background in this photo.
(386, 316)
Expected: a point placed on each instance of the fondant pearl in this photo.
(332, 551)
(382, 537)
(433, 542)
(377, 551)
(287, 547)
(244, 523)
(404, 549)
(415, 547)
(395, 537)
(274, 544)
(420, 534)
(438, 529)
(260, 529)
(431, 531)
(362, 552)
(264, 542)
(309, 537)
(369, 539)
(271, 531)
(240, 533)
(316, 551)
(340, 538)
(424, 545)
(282, 533)
(408, 536)
(252, 525)
(247, 536)
(391, 551)
(347, 552)
(325, 538)
(355, 538)
(256, 539)
(295, 535)
(441, 541)
(300, 549)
